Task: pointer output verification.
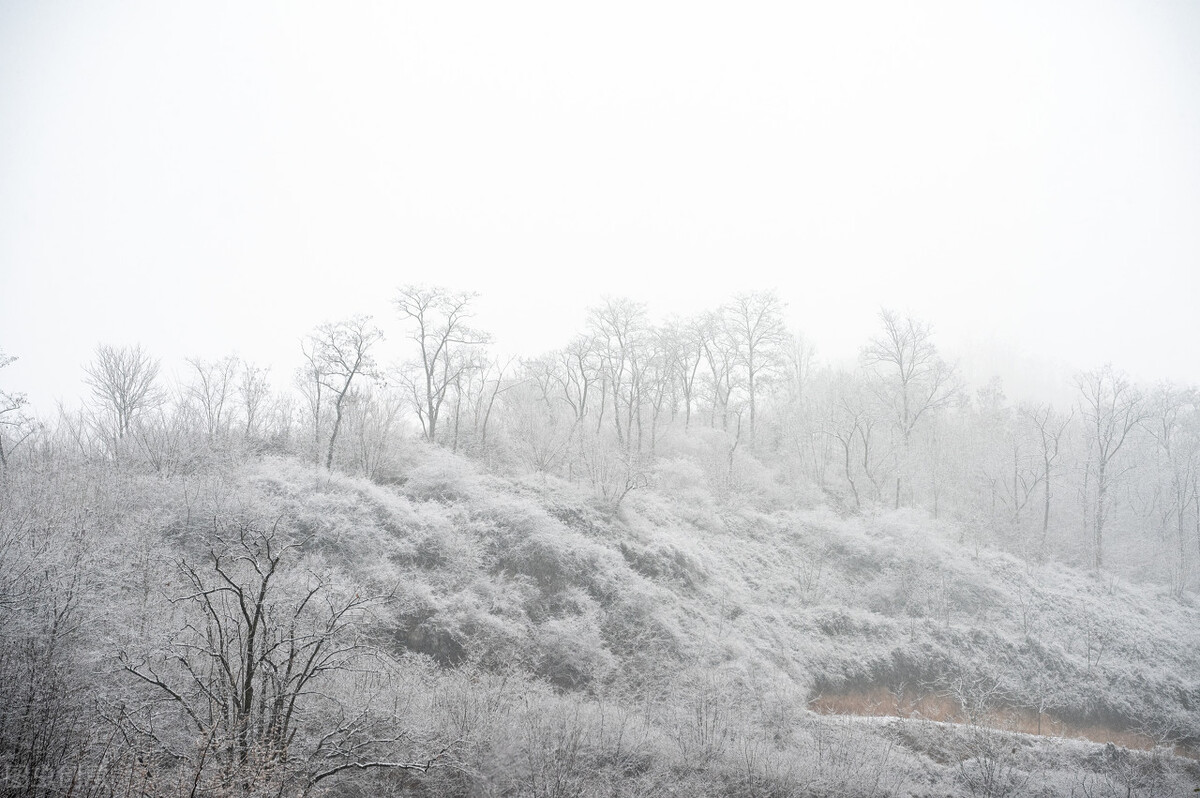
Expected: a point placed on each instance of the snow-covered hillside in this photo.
(518, 637)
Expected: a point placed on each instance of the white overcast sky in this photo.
(207, 178)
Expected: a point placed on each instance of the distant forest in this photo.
(1110, 482)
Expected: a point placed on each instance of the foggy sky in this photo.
(212, 178)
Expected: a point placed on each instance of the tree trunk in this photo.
(750, 387)
(850, 473)
(1045, 515)
(1098, 524)
(337, 423)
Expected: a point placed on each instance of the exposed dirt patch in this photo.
(883, 702)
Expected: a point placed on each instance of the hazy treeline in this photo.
(1111, 481)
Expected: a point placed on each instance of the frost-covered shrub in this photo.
(680, 478)
(438, 475)
(570, 652)
(663, 562)
(636, 630)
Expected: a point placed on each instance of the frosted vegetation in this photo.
(677, 558)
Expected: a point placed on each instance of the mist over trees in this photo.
(181, 616)
(1111, 480)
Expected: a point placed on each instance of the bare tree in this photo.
(620, 331)
(1173, 420)
(339, 352)
(465, 392)
(375, 421)
(657, 379)
(759, 334)
(439, 318)
(543, 435)
(535, 404)
(1111, 407)
(1010, 466)
(577, 373)
(255, 677)
(1049, 427)
(253, 391)
(798, 356)
(281, 414)
(720, 354)
(799, 431)
(164, 436)
(499, 386)
(310, 378)
(914, 380)
(613, 470)
(15, 425)
(123, 386)
(848, 420)
(211, 389)
(689, 341)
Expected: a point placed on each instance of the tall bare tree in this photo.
(1009, 464)
(123, 383)
(689, 343)
(253, 391)
(658, 370)
(467, 389)
(720, 354)
(1049, 427)
(1173, 420)
(483, 409)
(211, 388)
(534, 412)
(374, 425)
(797, 412)
(310, 378)
(1111, 408)
(759, 333)
(620, 329)
(439, 329)
(577, 373)
(846, 420)
(340, 352)
(913, 380)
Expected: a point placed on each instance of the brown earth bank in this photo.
(884, 702)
